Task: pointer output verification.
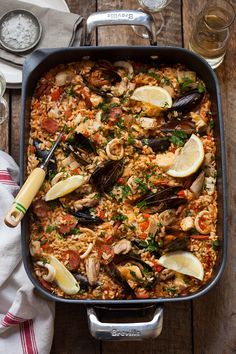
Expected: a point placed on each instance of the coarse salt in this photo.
(19, 32)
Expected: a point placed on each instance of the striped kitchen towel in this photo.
(26, 319)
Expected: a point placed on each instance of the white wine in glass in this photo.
(152, 6)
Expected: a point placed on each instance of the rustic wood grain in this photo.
(15, 125)
(124, 35)
(214, 315)
(71, 334)
(4, 128)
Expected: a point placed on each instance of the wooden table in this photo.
(208, 324)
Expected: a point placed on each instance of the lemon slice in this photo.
(183, 262)
(189, 159)
(64, 187)
(155, 95)
(63, 277)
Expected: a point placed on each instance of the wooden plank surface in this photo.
(208, 326)
(214, 315)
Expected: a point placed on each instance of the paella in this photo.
(128, 208)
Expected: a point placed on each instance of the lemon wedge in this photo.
(183, 262)
(189, 159)
(64, 187)
(155, 95)
(63, 277)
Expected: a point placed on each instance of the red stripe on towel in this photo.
(28, 338)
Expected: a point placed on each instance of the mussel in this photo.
(131, 272)
(187, 102)
(177, 244)
(85, 218)
(184, 125)
(165, 198)
(81, 146)
(105, 176)
(83, 281)
(157, 144)
(43, 154)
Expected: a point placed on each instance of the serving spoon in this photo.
(29, 189)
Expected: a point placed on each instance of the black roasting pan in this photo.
(43, 60)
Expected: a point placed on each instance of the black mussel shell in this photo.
(120, 259)
(85, 218)
(106, 175)
(184, 125)
(187, 102)
(165, 198)
(83, 281)
(112, 76)
(43, 154)
(178, 244)
(82, 142)
(157, 144)
(115, 274)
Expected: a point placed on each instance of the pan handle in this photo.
(121, 17)
(125, 331)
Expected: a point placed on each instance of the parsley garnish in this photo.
(141, 185)
(201, 88)
(154, 75)
(51, 228)
(178, 137)
(185, 84)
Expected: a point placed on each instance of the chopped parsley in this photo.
(201, 88)
(154, 75)
(178, 137)
(125, 190)
(215, 245)
(185, 84)
(130, 140)
(51, 228)
(70, 92)
(152, 245)
(141, 185)
(171, 290)
(212, 123)
(119, 217)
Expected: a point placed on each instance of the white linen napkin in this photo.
(26, 318)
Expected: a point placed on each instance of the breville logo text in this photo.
(129, 333)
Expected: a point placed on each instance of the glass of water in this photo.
(211, 31)
(4, 110)
(152, 6)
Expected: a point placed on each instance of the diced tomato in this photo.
(96, 137)
(69, 223)
(181, 193)
(68, 113)
(50, 125)
(45, 246)
(102, 214)
(63, 138)
(121, 180)
(146, 216)
(106, 254)
(144, 225)
(143, 236)
(76, 171)
(73, 259)
(85, 133)
(40, 208)
(56, 94)
(158, 267)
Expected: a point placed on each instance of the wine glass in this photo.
(152, 6)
